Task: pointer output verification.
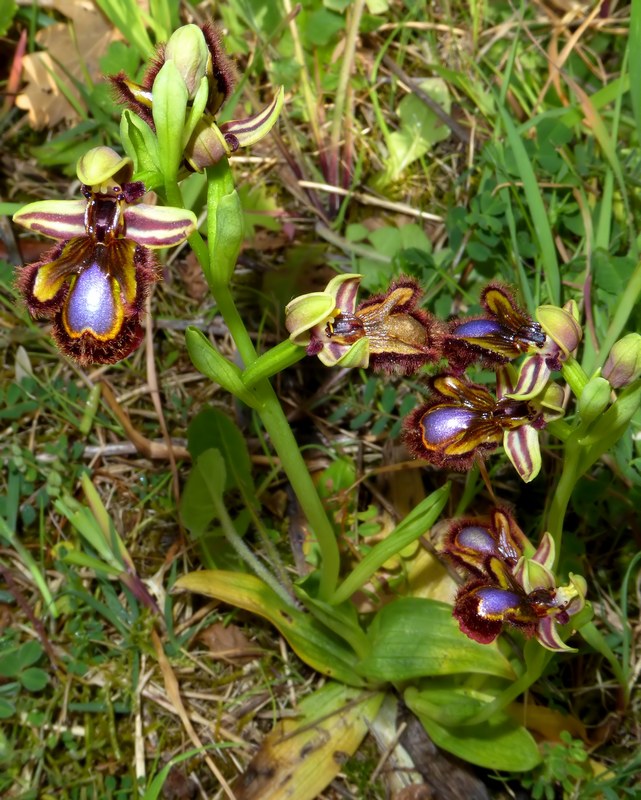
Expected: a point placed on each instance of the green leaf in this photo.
(206, 479)
(500, 743)
(342, 619)
(419, 128)
(416, 636)
(34, 679)
(7, 13)
(212, 428)
(416, 523)
(7, 709)
(538, 211)
(119, 56)
(310, 640)
(13, 662)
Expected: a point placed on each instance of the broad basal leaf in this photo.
(499, 743)
(415, 636)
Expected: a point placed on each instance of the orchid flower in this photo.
(387, 332)
(510, 587)
(94, 282)
(501, 334)
(463, 421)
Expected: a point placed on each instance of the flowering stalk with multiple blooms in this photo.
(94, 283)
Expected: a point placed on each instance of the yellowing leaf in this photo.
(299, 758)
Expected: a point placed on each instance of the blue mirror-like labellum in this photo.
(480, 327)
(494, 603)
(474, 537)
(90, 305)
(440, 424)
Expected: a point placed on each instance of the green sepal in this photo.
(169, 110)
(216, 367)
(141, 145)
(196, 111)
(310, 640)
(275, 360)
(594, 399)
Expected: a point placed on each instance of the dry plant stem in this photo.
(310, 100)
(347, 69)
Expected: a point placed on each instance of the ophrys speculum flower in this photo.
(513, 584)
(502, 334)
(93, 284)
(387, 332)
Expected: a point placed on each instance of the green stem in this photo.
(574, 376)
(276, 359)
(273, 418)
(561, 497)
(538, 658)
(293, 463)
(245, 553)
(270, 411)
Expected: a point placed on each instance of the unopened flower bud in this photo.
(594, 399)
(188, 50)
(207, 145)
(623, 365)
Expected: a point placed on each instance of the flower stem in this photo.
(561, 497)
(267, 404)
(273, 418)
(245, 553)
